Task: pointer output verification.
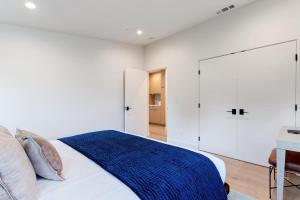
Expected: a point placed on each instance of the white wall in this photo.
(57, 85)
(263, 22)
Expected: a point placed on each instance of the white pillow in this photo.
(17, 177)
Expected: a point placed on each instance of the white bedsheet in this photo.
(86, 180)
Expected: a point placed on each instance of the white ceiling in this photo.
(114, 19)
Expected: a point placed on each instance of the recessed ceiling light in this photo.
(30, 5)
(139, 32)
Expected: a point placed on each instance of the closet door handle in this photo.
(233, 111)
(242, 112)
(127, 108)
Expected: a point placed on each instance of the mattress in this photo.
(86, 180)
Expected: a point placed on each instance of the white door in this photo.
(261, 85)
(266, 90)
(218, 96)
(136, 102)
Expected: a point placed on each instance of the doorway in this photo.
(157, 105)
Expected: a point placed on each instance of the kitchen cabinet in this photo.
(155, 83)
(155, 114)
(157, 110)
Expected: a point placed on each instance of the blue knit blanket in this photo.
(151, 169)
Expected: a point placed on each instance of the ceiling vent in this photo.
(226, 9)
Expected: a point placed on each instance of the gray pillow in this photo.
(42, 154)
(17, 177)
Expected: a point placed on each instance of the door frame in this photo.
(166, 94)
(242, 51)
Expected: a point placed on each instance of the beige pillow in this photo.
(4, 132)
(17, 177)
(43, 155)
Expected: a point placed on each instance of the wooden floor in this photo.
(158, 132)
(253, 180)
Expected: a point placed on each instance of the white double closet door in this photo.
(262, 84)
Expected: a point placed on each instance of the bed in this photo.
(87, 180)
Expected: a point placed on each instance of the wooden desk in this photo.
(285, 141)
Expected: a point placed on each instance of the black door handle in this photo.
(233, 111)
(242, 112)
(127, 108)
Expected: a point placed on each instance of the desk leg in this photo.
(280, 172)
